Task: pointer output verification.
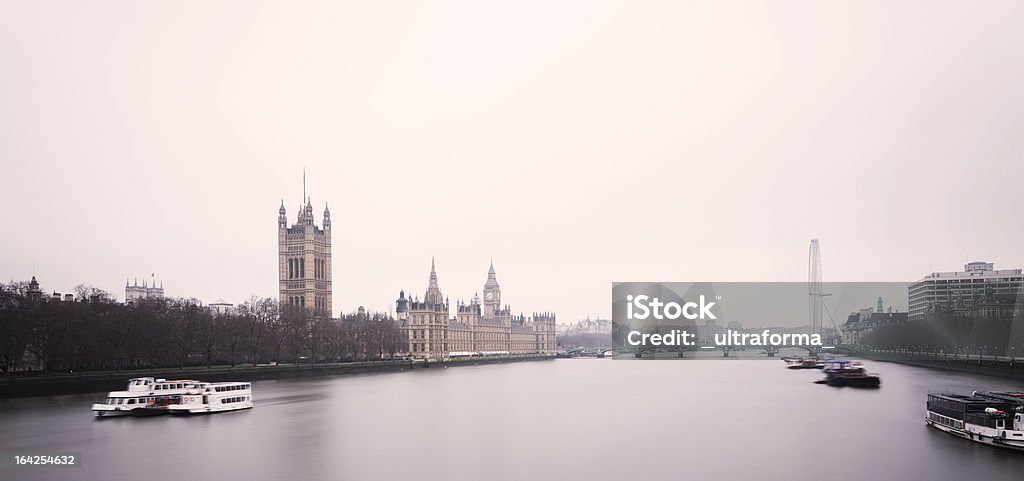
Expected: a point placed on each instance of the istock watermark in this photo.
(769, 320)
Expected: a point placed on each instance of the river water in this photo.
(568, 419)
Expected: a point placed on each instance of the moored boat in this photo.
(146, 396)
(215, 397)
(993, 418)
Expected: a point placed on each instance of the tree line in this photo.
(948, 332)
(95, 332)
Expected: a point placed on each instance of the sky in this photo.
(577, 143)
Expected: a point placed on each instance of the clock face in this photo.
(489, 296)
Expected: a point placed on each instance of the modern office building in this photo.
(979, 281)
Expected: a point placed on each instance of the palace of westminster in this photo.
(487, 327)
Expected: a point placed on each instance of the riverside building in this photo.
(479, 326)
(977, 282)
(304, 260)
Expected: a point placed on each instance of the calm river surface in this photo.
(572, 419)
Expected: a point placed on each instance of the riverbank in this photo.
(26, 385)
(1004, 367)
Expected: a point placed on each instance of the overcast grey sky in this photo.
(576, 142)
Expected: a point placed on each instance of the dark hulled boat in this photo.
(842, 373)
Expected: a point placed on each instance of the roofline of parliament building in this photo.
(304, 280)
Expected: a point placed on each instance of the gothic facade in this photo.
(304, 260)
(478, 327)
(135, 292)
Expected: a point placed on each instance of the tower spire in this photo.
(433, 295)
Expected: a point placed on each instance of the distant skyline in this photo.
(575, 143)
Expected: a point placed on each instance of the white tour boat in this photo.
(988, 417)
(214, 397)
(145, 396)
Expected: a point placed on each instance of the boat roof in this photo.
(161, 380)
(1016, 397)
(963, 398)
(135, 393)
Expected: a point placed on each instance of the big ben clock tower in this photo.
(492, 294)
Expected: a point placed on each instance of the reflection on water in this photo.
(586, 419)
(295, 398)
